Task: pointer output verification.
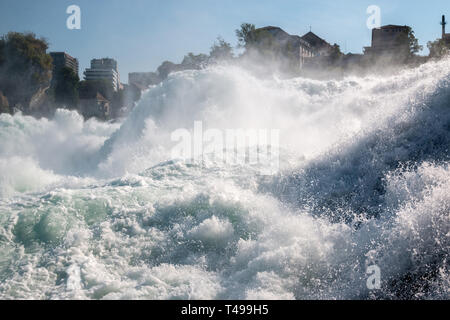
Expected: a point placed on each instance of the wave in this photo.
(93, 210)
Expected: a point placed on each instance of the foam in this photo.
(92, 210)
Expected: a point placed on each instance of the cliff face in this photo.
(39, 104)
(24, 93)
(4, 104)
(25, 71)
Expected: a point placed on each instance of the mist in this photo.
(100, 210)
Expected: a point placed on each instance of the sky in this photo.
(141, 34)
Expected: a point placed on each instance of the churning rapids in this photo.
(92, 210)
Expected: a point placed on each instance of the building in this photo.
(318, 45)
(441, 46)
(389, 40)
(61, 60)
(104, 69)
(303, 49)
(98, 107)
(292, 47)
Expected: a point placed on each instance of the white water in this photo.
(94, 210)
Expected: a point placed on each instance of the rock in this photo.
(4, 104)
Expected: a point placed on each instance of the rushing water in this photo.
(93, 210)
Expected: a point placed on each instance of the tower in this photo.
(443, 23)
(104, 69)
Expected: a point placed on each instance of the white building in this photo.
(104, 69)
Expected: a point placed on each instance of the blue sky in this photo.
(141, 34)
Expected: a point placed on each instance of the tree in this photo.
(66, 83)
(335, 53)
(411, 43)
(192, 61)
(25, 67)
(88, 89)
(166, 68)
(117, 103)
(438, 48)
(262, 40)
(221, 50)
(246, 35)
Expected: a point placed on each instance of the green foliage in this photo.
(246, 35)
(25, 47)
(88, 89)
(118, 98)
(167, 67)
(66, 83)
(221, 50)
(24, 66)
(411, 43)
(192, 61)
(265, 43)
(438, 48)
(262, 40)
(335, 53)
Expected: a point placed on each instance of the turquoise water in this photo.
(92, 210)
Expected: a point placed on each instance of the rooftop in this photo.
(392, 26)
(315, 40)
(60, 53)
(276, 31)
(282, 35)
